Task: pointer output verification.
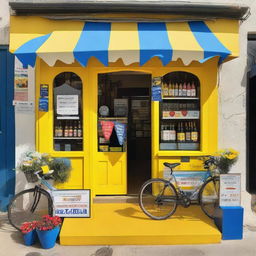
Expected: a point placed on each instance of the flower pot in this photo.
(30, 237)
(48, 238)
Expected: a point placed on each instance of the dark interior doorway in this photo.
(135, 87)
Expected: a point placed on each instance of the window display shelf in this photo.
(180, 98)
(68, 138)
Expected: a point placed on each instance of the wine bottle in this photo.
(193, 90)
(172, 133)
(184, 89)
(79, 130)
(176, 90)
(180, 89)
(182, 133)
(194, 133)
(188, 90)
(187, 132)
(165, 90)
(66, 130)
(75, 130)
(70, 130)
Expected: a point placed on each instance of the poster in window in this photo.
(67, 105)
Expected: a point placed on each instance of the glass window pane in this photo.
(68, 112)
(180, 112)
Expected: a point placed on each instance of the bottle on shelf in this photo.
(188, 90)
(56, 131)
(172, 133)
(60, 130)
(184, 90)
(70, 130)
(165, 90)
(180, 90)
(176, 90)
(66, 129)
(75, 130)
(187, 132)
(166, 134)
(171, 89)
(79, 130)
(194, 133)
(162, 132)
(193, 90)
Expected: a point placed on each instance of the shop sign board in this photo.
(230, 189)
(72, 203)
(67, 104)
(25, 107)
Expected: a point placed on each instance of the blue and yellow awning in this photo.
(134, 42)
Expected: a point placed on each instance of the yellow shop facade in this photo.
(103, 73)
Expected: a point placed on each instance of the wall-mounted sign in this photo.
(43, 104)
(230, 189)
(72, 203)
(67, 104)
(44, 90)
(156, 89)
(25, 107)
(20, 82)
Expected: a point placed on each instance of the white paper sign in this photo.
(26, 107)
(67, 104)
(71, 203)
(230, 189)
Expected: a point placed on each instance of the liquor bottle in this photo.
(176, 90)
(66, 130)
(178, 133)
(194, 133)
(166, 133)
(184, 89)
(75, 130)
(79, 130)
(60, 130)
(70, 130)
(165, 90)
(171, 92)
(56, 130)
(172, 133)
(193, 90)
(162, 132)
(187, 132)
(188, 90)
(180, 89)
(182, 133)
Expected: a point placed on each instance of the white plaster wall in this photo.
(4, 22)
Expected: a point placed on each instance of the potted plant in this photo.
(47, 230)
(28, 230)
(224, 159)
(33, 161)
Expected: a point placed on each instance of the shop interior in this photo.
(125, 97)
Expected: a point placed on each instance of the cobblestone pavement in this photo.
(11, 243)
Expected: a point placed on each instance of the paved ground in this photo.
(11, 244)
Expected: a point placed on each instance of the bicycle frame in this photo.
(195, 193)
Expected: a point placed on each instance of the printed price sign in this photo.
(71, 203)
(230, 189)
(67, 104)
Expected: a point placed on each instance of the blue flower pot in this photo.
(30, 238)
(48, 238)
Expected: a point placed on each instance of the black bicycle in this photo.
(31, 204)
(158, 198)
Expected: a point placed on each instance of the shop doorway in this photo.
(125, 97)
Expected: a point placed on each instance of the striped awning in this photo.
(134, 42)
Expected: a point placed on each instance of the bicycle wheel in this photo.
(158, 199)
(209, 196)
(29, 205)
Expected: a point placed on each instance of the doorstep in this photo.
(125, 224)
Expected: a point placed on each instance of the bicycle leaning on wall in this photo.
(31, 204)
(158, 198)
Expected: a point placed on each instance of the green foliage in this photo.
(62, 169)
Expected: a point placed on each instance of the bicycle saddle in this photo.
(171, 165)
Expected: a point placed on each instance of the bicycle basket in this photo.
(30, 177)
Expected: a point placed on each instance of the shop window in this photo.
(180, 112)
(68, 112)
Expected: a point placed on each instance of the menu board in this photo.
(230, 189)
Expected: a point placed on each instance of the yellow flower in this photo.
(232, 156)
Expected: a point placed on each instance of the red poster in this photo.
(107, 128)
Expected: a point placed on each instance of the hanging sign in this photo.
(230, 189)
(71, 203)
(120, 132)
(107, 128)
(67, 104)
